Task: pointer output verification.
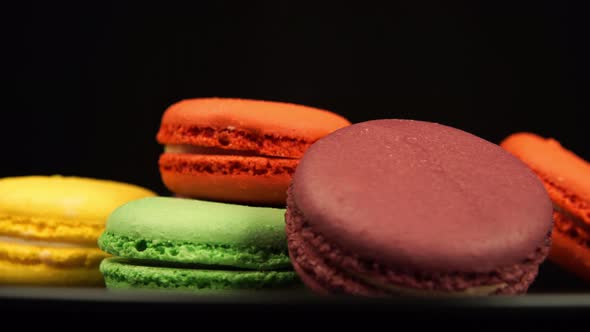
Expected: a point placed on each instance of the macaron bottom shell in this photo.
(14, 273)
(239, 179)
(120, 273)
(52, 264)
(570, 254)
(327, 269)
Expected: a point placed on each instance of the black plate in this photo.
(554, 295)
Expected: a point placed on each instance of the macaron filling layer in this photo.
(194, 253)
(206, 150)
(329, 265)
(477, 290)
(234, 139)
(41, 243)
(124, 273)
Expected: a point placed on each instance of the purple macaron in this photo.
(389, 207)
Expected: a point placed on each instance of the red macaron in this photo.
(238, 150)
(390, 207)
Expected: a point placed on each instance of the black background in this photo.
(88, 83)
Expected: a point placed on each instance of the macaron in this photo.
(49, 227)
(393, 206)
(566, 177)
(171, 243)
(237, 150)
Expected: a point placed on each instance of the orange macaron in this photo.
(238, 150)
(566, 177)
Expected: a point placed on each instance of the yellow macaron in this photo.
(49, 228)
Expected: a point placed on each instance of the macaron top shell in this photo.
(197, 221)
(84, 200)
(29, 204)
(422, 195)
(178, 230)
(196, 121)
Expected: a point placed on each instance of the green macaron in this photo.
(187, 244)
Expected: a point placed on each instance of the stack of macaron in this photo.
(227, 164)
(49, 226)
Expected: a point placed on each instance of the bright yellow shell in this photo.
(59, 208)
(49, 228)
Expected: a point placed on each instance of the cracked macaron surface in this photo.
(237, 150)
(207, 245)
(410, 207)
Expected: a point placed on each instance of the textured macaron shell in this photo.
(257, 180)
(566, 175)
(61, 208)
(121, 273)
(571, 254)
(198, 232)
(267, 127)
(422, 196)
